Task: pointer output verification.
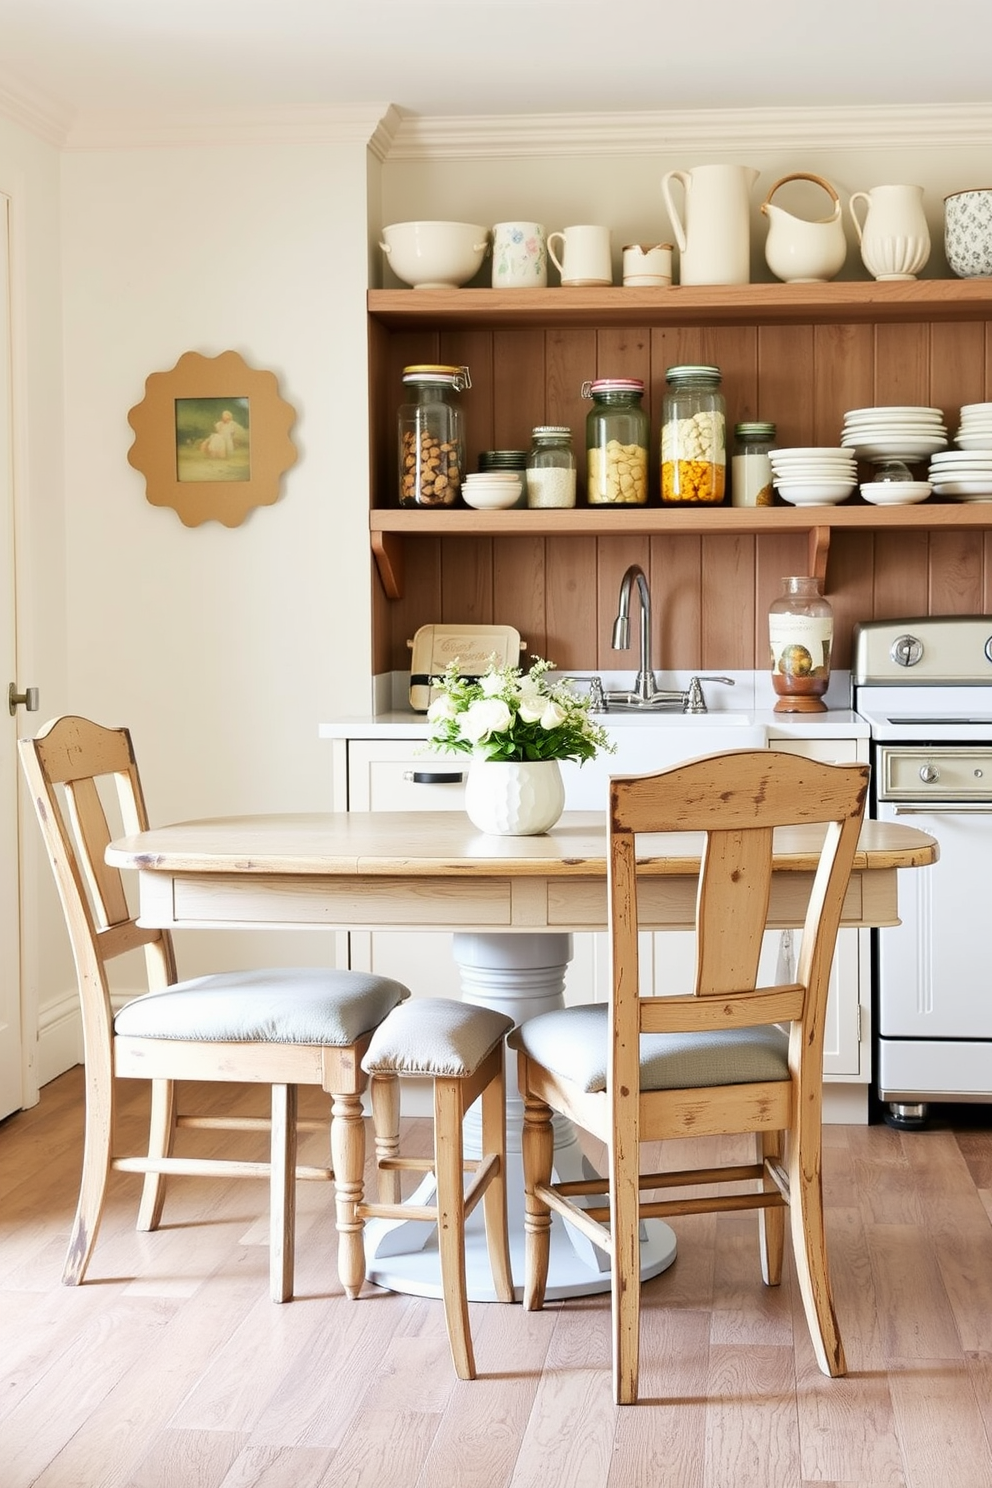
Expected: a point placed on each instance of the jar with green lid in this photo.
(551, 467)
(617, 442)
(431, 438)
(750, 466)
(693, 438)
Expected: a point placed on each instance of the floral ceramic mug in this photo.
(968, 233)
(520, 256)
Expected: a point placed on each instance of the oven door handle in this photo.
(934, 809)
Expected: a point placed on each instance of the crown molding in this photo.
(33, 110)
(194, 128)
(729, 131)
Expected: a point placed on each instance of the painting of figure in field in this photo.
(213, 440)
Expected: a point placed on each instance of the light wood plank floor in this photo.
(170, 1368)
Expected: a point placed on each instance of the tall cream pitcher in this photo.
(714, 231)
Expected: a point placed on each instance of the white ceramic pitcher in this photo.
(715, 238)
(895, 239)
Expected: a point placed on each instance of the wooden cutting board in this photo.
(434, 647)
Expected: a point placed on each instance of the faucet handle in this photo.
(694, 700)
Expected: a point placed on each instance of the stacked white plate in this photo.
(492, 490)
(975, 429)
(964, 474)
(894, 433)
(813, 476)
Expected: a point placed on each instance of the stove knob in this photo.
(906, 650)
(988, 649)
(929, 773)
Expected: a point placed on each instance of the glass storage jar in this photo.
(800, 634)
(616, 442)
(551, 467)
(693, 438)
(431, 439)
(750, 467)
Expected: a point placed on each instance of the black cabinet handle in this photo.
(435, 777)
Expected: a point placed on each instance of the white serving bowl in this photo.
(980, 442)
(895, 493)
(491, 496)
(435, 255)
(814, 492)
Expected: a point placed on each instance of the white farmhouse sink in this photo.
(652, 741)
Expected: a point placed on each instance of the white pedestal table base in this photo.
(521, 976)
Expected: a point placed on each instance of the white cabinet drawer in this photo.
(392, 775)
(827, 751)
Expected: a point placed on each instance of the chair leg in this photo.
(809, 1245)
(161, 1135)
(98, 1135)
(625, 1256)
(771, 1222)
(494, 1198)
(282, 1192)
(385, 1093)
(449, 1169)
(348, 1161)
(537, 1143)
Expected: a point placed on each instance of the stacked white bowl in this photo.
(893, 485)
(813, 476)
(492, 490)
(903, 432)
(966, 475)
(975, 428)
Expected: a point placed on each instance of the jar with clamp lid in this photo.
(431, 438)
(750, 467)
(693, 438)
(616, 442)
(551, 467)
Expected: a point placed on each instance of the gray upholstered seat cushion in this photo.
(290, 1005)
(434, 1036)
(573, 1042)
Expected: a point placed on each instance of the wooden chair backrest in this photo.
(736, 800)
(63, 765)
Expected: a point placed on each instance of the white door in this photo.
(10, 977)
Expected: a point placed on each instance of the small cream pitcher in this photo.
(895, 239)
(715, 238)
(801, 252)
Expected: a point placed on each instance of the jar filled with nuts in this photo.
(616, 442)
(431, 441)
(693, 438)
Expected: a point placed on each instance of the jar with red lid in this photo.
(431, 436)
(616, 442)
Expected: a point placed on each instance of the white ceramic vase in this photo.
(511, 798)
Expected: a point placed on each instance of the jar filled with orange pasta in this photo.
(693, 438)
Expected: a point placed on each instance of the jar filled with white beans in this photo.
(693, 438)
(551, 467)
(616, 442)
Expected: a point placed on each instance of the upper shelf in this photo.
(844, 302)
(388, 527)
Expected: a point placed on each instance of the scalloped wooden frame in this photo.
(153, 451)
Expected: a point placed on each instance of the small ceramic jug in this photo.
(801, 252)
(715, 238)
(895, 239)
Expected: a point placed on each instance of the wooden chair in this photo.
(282, 1028)
(459, 1047)
(713, 1062)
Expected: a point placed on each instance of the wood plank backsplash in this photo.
(710, 594)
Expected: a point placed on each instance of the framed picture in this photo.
(211, 438)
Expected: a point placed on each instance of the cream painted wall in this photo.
(222, 649)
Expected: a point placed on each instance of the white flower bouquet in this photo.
(510, 715)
